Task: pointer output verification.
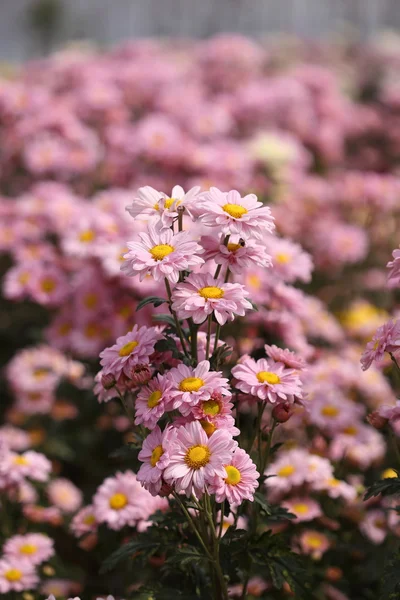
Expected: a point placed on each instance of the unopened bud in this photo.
(140, 375)
(376, 420)
(48, 571)
(165, 490)
(282, 412)
(108, 381)
(334, 574)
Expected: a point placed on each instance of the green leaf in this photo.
(253, 304)
(386, 487)
(165, 319)
(155, 300)
(129, 550)
(391, 581)
(168, 344)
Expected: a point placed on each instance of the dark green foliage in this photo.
(154, 300)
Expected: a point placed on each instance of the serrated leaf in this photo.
(129, 550)
(385, 487)
(164, 318)
(155, 300)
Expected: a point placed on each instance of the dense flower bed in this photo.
(194, 240)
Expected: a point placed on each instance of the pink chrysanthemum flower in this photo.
(213, 408)
(161, 254)
(237, 254)
(158, 205)
(236, 215)
(392, 413)
(189, 385)
(155, 456)
(201, 295)
(129, 350)
(386, 339)
(29, 464)
(35, 548)
(196, 459)
(314, 543)
(119, 501)
(15, 438)
(63, 494)
(290, 261)
(152, 401)
(239, 481)
(305, 509)
(285, 356)
(394, 273)
(84, 521)
(268, 380)
(17, 575)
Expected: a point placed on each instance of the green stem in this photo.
(177, 323)
(193, 526)
(222, 587)
(209, 325)
(193, 340)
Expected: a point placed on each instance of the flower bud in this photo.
(165, 490)
(139, 375)
(282, 412)
(108, 381)
(376, 420)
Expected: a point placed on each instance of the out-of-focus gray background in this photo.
(32, 27)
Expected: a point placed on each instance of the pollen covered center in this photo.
(234, 210)
(268, 377)
(156, 455)
(197, 457)
(211, 292)
(128, 348)
(28, 549)
(208, 427)
(20, 460)
(233, 247)
(161, 251)
(233, 475)
(154, 399)
(118, 501)
(48, 285)
(13, 575)
(330, 411)
(211, 407)
(191, 384)
(301, 508)
(286, 471)
(86, 236)
(282, 258)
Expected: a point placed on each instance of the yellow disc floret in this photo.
(156, 455)
(268, 377)
(161, 251)
(330, 411)
(197, 457)
(286, 471)
(28, 549)
(154, 399)
(233, 475)
(118, 501)
(211, 407)
(233, 247)
(191, 384)
(128, 348)
(13, 575)
(234, 210)
(211, 292)
(87, 236)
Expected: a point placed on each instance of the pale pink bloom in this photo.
(386, 339)
(201, 295)
(158, 205)
(305, 508)
(155, 456)
(17, 575)
(29, 464)
(229, 521)
(235, 215)
(35, 402)
(153, 401)
(239, 481)
(290, 262)
(296, 467)
(15, 438)
(267, 379)
(336, 488)
(27, 494)
(213, 409)
(189, 385)
(84, 521)
(237, 254)
(374, 526)
(36, 369)
(331, 411)
(48, 285)
(359, 445)
(63, 494)
(394, 273)
(161, 254)
(255, 587)
(59, 587)
(129, 350)
(195, 459)
(285, 356)
(43, 514)
(120, 501)
(314, 543)
(34, 548)
(392, 413)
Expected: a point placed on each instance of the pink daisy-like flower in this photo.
(392, 413)
(268, 380)
(314, 543)
(189, 385)
(158, 205)
(290, 261)
(237, 254)
(196, 459)
(117, 501)
(84, 521)
(394, 273)
(374, 526)
(215, 407)
(35, 548)
(17, 575)
(161, 254)
(236, 215)
(129, 350)
(201, 295)
(239, 481)
(152, 401)
(63, 494)
(285, 356)
(305, 509)
(29, 464)
(155, 456)
(386, 339)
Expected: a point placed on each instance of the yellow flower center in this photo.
(330, 411)
(20, 460)
(333, 482)
(314, 541)
(268, 377)
(40, 373)
(91, 330)
(197, 457)
(282, 258)
(233, 247)
(89, 520)
(350, 430)
(389, 473)
(208, 427)
(254, 281)
(24, 278)
(154, 399)
(191, 384)
(286, 471)
(90, 300)
(64, 328)
(28, 549)
(161, 251)
(128, 348)
(211, 292)
(156, 455)
(86, 236)
(233, 475)
(211, 407)
(118, 501)
(234, 210)
(13, 575)
(48, 285)
(300, 508)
